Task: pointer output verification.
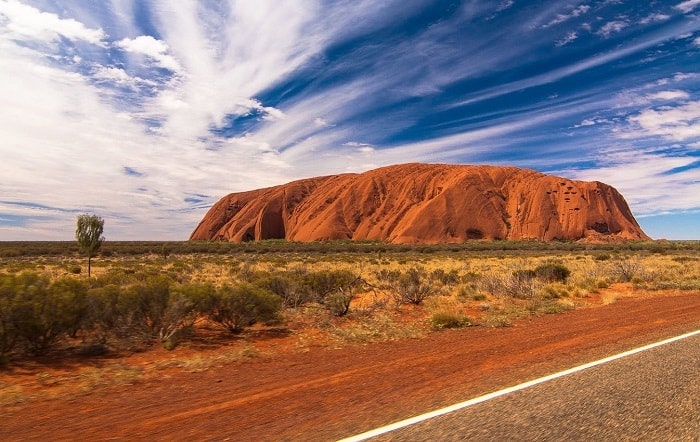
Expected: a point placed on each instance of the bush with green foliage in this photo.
(37, 314)
(288, 286)
(334, 289)
(325, 282)
(8, 332)
(161, 309)
(552, 272)
(446, 278)
(242, 305)
(412, 286)
(109, 315)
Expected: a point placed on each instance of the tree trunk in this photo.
(89, 258)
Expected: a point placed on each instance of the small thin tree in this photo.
(88, 233)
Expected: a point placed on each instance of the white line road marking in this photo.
(495, 394)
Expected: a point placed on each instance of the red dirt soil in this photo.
(325, 394)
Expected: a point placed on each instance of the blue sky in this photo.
(146, 112)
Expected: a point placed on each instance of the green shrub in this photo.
(160, 309)
(446, 278)
(552, 272)
(338, 304)
(107, 314)
(412, 287)
(334, 289)
(44, 313)
(8, 332)
(70, 302)
(288, 286)
(242, 305)
(325, 282)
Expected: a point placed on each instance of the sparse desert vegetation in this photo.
(196, 305)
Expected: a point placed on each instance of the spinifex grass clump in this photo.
(448, 319)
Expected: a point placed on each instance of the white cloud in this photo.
(669, 95)
(152, 48)
(322, 122)
(612, 27)
(355, 144)
(676, 123)
(361, 147)
(645, 181)
(687, 6)
(654, 18)
(118, 76)
(561, 18)
(570, 36)
(682, 76)
(505, 4)
(28, 22)
(697, 41)
(586, 122)
(272, 113)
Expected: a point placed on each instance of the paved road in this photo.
(653, 395)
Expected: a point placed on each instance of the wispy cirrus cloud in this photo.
(688, 6)
(647, 180)
(568, 38)
(655, 17)
(679, 123)
(612, 27)
(564, 17)
(668, 95)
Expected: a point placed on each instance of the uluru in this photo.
(425, 203)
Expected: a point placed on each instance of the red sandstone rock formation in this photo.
(425, 203)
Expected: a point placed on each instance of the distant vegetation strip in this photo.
(12, 249)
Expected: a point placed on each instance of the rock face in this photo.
(425, 203)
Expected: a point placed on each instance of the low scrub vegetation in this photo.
(37, 314)
(240, 306)
(448, 319)
(141, 294)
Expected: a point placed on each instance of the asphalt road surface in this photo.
(651, 395)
